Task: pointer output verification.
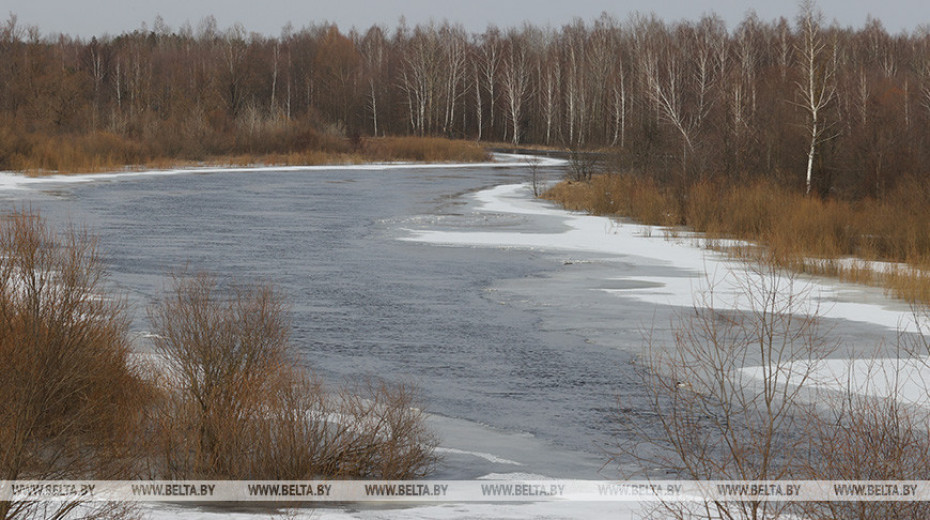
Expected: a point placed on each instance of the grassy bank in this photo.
(100, 152)
(830, 237)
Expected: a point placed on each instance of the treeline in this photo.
(846, 108)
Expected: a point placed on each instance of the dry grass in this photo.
(621, 195)
(808, 234)
(38, 155)
(423, 149)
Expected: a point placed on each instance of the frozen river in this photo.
(520, 328)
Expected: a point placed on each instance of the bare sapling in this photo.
(728, 393)
(536, 180)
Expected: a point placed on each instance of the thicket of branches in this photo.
(225, 395)
(779, 98)
(742, 395)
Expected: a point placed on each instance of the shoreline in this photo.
(702, 272)
(10, 180)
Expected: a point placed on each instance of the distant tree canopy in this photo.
(784, 99)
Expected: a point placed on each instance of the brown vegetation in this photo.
(72, 405)
(104, 152)
(424, 149)
(808, 234)
(718, 422)
(238, 405)
(225, 398)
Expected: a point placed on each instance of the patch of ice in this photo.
(481, 455)
(904, 379)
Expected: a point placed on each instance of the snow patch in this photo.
(653, 245)
(481, 455)
(701, 274)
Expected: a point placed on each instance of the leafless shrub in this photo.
(718, 421)
(239, 406)
(869, 433)
(734, 400)
(582, 164)
(71, 403)
(383, 435)
(533, 161)
(868, 438)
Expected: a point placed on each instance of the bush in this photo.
(71, 403)
(238, 405)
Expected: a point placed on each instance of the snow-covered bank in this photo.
(18, 181)
(704, 269)
(700, 272)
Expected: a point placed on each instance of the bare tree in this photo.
(620, 103)
(817, 88)
(550, 84)
(664, 77)
(574, 81)
(515, 81)
(454, 43)
(373, 49)
(490, 54)
(721, 419)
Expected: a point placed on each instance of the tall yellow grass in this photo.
(423, 149)
(101, 151)
(804, 233)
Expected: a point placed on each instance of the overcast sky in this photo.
(96, 17)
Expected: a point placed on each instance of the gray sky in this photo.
(95, 17)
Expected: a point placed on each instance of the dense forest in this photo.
(846, 109)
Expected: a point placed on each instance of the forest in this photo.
(840, 111)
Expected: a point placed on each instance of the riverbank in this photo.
(879, 242)
(100, 153)
(868, 367)
(18, 181)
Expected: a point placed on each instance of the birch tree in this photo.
(816, 88)
(549, 75)
(490, 54)
(372, 48)
(664, 77)
(515, 82)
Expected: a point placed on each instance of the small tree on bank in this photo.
(718, 420)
